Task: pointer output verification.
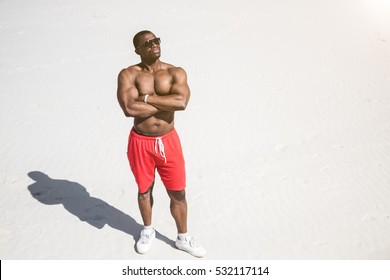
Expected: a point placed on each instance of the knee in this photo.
(179, 196)
(143, 196)
(146, 194)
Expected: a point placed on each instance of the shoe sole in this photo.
(150, 247)
(191, 253)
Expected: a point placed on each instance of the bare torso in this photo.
(158, 83)
(151, 94)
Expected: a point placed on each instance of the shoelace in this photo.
(160, 145)
(192, 242)
(145, 237)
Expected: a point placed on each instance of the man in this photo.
(151, 92)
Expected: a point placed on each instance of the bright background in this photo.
(286, 136)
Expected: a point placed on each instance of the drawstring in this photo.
(159, 143)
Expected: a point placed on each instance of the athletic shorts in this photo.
(164, 153)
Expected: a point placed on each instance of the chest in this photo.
(159, 83)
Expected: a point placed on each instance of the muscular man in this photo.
(151, 92)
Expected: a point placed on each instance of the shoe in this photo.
(145, 240)
(189, 245)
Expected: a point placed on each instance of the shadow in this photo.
(77, 201)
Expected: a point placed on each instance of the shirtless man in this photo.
(151, 92)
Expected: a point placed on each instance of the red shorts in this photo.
(164, 153)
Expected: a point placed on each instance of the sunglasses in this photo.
(149, 44)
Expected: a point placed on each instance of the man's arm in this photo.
(128, 95)
(179, 95)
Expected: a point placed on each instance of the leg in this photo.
(184, 241)
(145, 204)
(148, 234)
(178, 208)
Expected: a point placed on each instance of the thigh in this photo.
(172, 172)
(142, 163)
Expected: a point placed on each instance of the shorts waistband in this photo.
(136, 135)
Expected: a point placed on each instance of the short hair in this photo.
(138, 35)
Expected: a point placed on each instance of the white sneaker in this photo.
(189, 245)
(145, 240)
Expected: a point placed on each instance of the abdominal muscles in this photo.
(159, 124)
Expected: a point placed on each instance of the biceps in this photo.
(127, 95)
(182, 90)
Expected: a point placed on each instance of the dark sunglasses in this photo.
(149, 44)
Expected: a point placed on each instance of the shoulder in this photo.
(172, 68)
(129, 73)
(131, 70)
(177, 72)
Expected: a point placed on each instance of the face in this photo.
(148, 46)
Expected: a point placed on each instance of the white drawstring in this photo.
(159, 143)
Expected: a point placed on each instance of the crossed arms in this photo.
(132, 102)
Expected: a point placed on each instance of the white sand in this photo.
(286, 136)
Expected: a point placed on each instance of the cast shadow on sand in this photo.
(77, 201)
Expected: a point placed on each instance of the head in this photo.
(38, 176)
(147, 45)
(53, 191)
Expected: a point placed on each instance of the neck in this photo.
(151, 66)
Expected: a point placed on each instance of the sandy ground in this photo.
(286, 136)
